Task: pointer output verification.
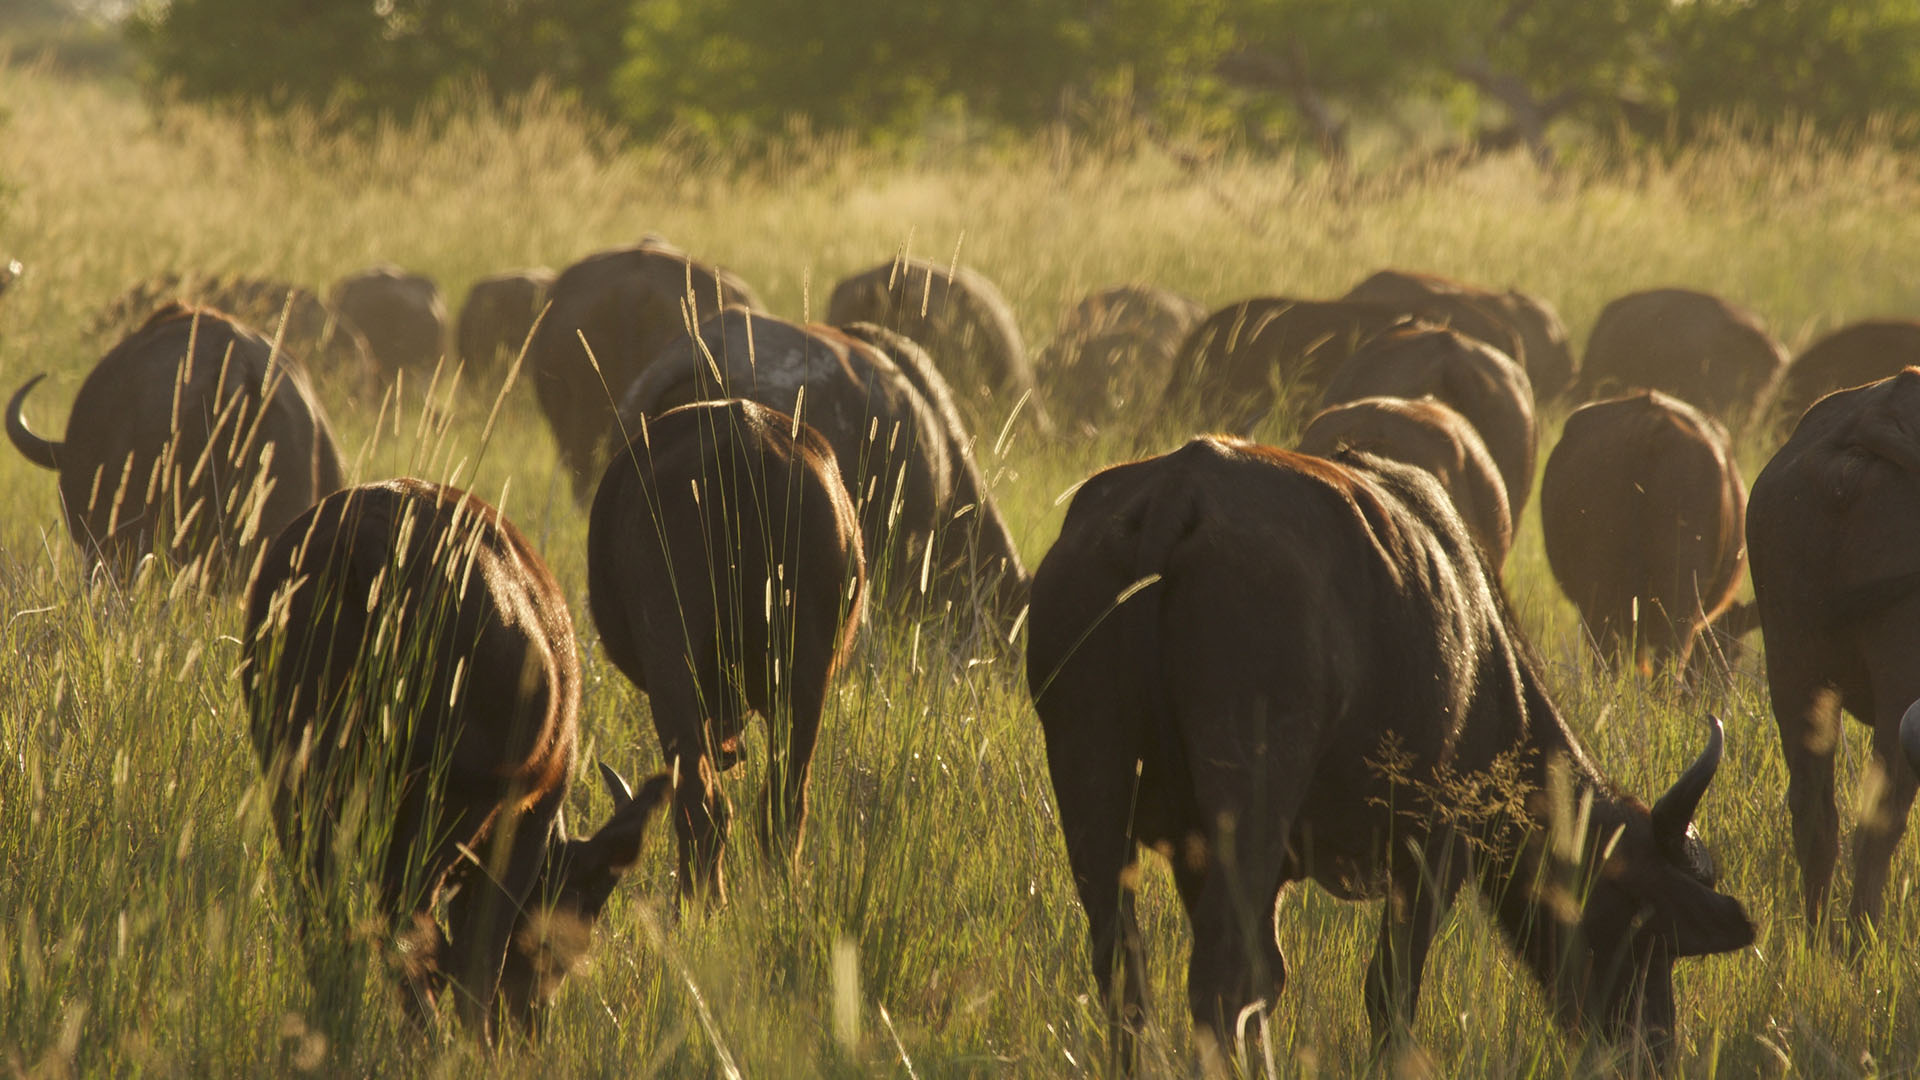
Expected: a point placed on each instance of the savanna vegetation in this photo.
(931, 929)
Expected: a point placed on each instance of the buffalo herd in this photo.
(1269, 665)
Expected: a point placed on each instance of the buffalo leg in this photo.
(1885, 820)
(1418, 900)
(1809, 728)
(784, 812)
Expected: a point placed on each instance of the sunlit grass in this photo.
(145, 923)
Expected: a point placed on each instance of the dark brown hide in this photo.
(1644, 515)
(1275, 667)
(416, 610)
(402, 315)
(198, 457)
(1250, 358)
(629, 304)
(1527, 323)
(1473, 378)
(1833, 529)
(1853, 355)
(725, 575)
(1699, 348)
(1114, 353)
(925, 515)
(498, 316)
(1428, 435)
(959, 317)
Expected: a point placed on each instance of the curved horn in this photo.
(1910, 735)
(40, 451)
(1674, 811)
(616, 786)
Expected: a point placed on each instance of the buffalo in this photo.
(410, 663)
(957, 315)
(498, 317)
(1697, 347)
(925, 515)
(724, 572)
(1528, 323)
(609, 316)
(1247, 359)
(1644, 515)
(310, 329)
(1114, 352)
(1273, 667)
(1429, 435)
(1477, 380)
(402, 315)
(1854, 355)
(1833, 532)
(192, 440)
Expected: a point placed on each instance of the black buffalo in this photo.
(1475, 379)
(1274, 667)
(955, 313)
(1701, 349)
(1114, 352)
(1854, 355)
(927, 520)
(191, 440)
(1250, 358)
(1644, 515)
(610, 315)
(1533, 328)
(410, 665)
(498, 315)
(1833, 532)
(725, 575)
(402, 315)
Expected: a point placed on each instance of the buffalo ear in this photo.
(1705, 922)
(615, 847)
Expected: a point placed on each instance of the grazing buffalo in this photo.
(1853, 355)
(498, 317)
(1833, 530)
(1114, 353)
(1644, 515)
(1247, 359)
(402, 315)
(1475, 379)
(725, 575)
(1429, 435)
(925, 515)
(409, 661)
(1697, 347)
(1271, 667)
(1527, 322)
(958, 316)
(190, 440)
(610, 315)
(329, 346)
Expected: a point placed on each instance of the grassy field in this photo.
(144, 923)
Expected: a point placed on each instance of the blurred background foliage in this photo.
(1453, 78)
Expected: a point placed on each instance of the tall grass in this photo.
(146, 924)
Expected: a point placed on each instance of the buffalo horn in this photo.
(36, 449)
(616, 786)
(1674, 811)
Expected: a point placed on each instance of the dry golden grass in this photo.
(143, 923)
